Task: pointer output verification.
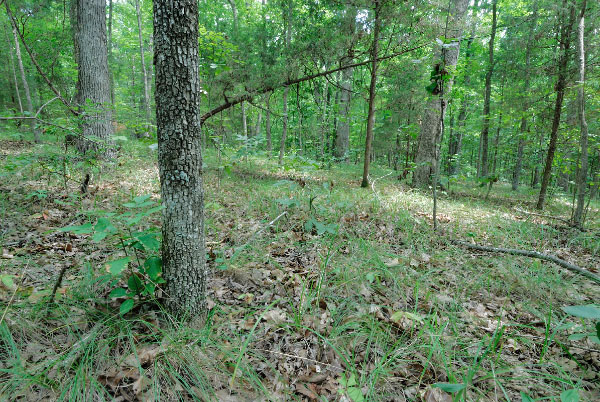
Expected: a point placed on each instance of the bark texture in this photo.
(93, 82)
(179, 155)
(565, 44)
(372, 86)
(583, 139)
(430, 135)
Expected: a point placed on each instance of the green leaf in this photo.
(141, 198)
(99, 236)
(525, 397)
(126, 306)
(78, 229)
(447, 387)
(576, 337)
(116, 267)
(589, 311)
(149, 242)
(7, 280)
(370, 277)
(102, 225)
(355, 394)
(598, 329)
(118, 292)
(135, 285)
(153, 268)
(570, 395)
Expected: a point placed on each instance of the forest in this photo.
(300, 200)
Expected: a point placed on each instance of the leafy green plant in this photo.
(141, 268)
(589, 311)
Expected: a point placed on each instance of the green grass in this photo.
(489, 322)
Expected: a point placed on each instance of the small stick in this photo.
(532, 254)
(544, 216)
(57, 283)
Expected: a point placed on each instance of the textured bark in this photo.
(583, 139)
(434, 113)
(147, 105)
(342, 133)
(565, 44)
(93, 83)
(487, 97)
(372, 86)
(110, 54)
(179, 155)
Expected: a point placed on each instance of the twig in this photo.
(326, 365)
(57, 283)
(532, 254)
(238, 249)
(373, 184)
(558, 218)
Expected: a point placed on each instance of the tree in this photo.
(179, 155)
(93, 82)
(441, 75)
(372, 87)
(583, 142)
(564, 45)
(286, 88)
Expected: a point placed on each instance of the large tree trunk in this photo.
(430, 135)
(342, 134)
(487, 97)
(583, 141)
(147, 105)
(110, 54)
(372, 86)
(179, 155)
(565, 44)
(93, 83)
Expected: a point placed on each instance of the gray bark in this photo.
(519, 162)
(14, 74)
(179, 155)
(342, 135)
(583, 140)
(487, 97)
(244, 120)
(110, 54)
(147, 105)
(258, 123)
(434, 113)
(372, 86)
(93, 83)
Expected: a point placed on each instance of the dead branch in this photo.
(531, 254)
(558, 218)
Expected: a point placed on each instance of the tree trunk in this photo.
(179, 156)
(342, 134)
(323, 128)
(583, 141)
(487, 98)
(36, 132)
(286, 89)
(93, 83)
(244, 120)
(519, 162)
(258, 123)
(565, 43)
(426, 157)
(147, 105)
(372, 86)
(110, 54)
(14, 74)
(268, 126)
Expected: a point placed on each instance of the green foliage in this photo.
(591, 312)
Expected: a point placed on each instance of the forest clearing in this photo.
(298, 200)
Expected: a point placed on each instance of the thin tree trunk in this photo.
(372, 87)
(258, 123)
(342, 137)
(565, 43)
(93, 83)
(323, 128)
(286, 89)
(583, 141)
(487, 98)
(299, 111)
(519, 162)
(147, 105)
(244, 120)
(36, 132)
(14, 74)
(430, 135)
(268, 126)
(179, 156)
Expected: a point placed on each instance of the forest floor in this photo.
(349, 295)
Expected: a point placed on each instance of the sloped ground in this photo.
(349, 295)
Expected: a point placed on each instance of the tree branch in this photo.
(532, 254)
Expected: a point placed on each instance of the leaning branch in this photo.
(248, 97)
(532, 254)
(37, 66)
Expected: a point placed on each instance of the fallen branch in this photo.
(532, 254)
(558, 218)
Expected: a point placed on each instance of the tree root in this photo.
(532, 254)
